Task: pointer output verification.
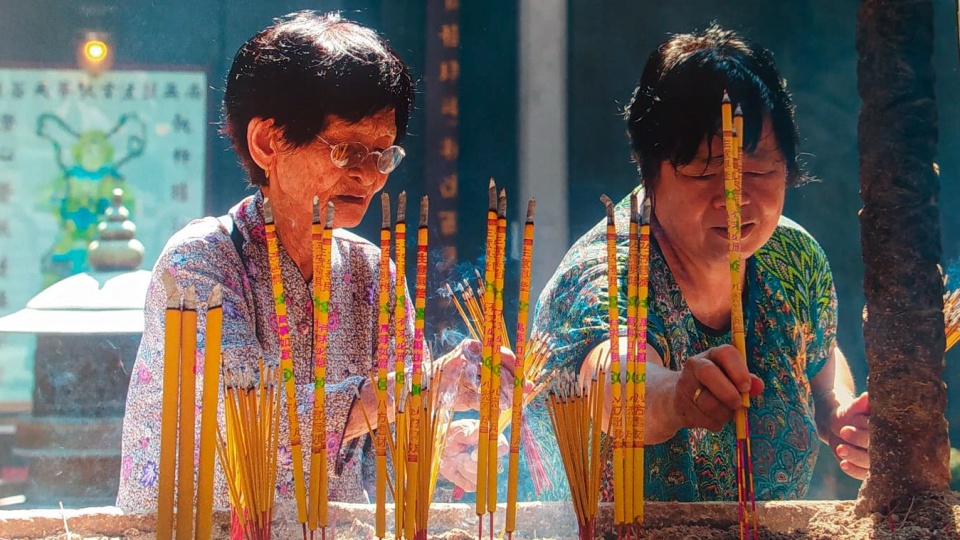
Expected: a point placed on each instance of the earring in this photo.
(266, 173)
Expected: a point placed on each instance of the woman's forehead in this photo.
(378, 125)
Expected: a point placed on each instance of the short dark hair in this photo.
(676, 104)
(306, 67)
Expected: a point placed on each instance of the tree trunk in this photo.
(900, 238)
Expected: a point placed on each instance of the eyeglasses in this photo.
(347, 155)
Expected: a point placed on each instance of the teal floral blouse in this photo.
(790, 312)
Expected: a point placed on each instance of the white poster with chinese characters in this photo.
(67, 140)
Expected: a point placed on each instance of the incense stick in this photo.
(168, 418)
(630, 406)
(188, 391)
(483, 443)
(399, 358)
(640, 374)
(383, 354)
(732, 185)
(286, 363)
(208, 414)
(519, 379)
(616, 375)
(499, 336)
(415, 499)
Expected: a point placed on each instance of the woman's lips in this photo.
(349, 199)
(745, 230)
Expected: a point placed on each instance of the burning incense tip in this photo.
(385, 210)
(492, 195)
(170, 286)
(424, 210)
(738, 111)
(402, 207)
(216, 297)
(316, 209)
(329, 224)
(633, 208)
(502, 204)
(531, 209)
(267, 211)
(726, 97)
(609, 205)
(647, 207)
(190, 298)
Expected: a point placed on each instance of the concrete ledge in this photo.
(534, 519)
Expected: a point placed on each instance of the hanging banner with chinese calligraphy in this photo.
(67, 140)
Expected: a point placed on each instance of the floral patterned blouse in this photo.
(790, 313)
(203, 254)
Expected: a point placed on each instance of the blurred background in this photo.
(96, 95)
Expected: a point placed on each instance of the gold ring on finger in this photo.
(696, 395)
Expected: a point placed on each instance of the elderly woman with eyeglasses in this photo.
(315, 105)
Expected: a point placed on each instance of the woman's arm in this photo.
(843, 421)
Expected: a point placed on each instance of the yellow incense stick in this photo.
(208, 412)
(519, 379)
(616, 385)
(188, 391)
(399, 357)
(738, 161)
(168, 420)
(383, 354)
(321, 245)
(286, 361)
(629, 410)
(413, 496)
(499, 337)
(483, 444)
(640, 375)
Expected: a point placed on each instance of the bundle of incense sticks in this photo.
(178, 421)
(248, 450)
(530, 360)
(286, 364)
(321, 244)
(422, 413)
(951, 310)
(575, 412)
(732, 125)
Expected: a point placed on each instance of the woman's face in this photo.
(690, 203)
(299, 174)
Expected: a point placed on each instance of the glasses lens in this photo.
(390, 159)
(348, 155)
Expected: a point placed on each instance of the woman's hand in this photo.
(459, 460)
(461, 367)
(848, 433)
(705, 393)
(707, 390)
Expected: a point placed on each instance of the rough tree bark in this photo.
(900, 238)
